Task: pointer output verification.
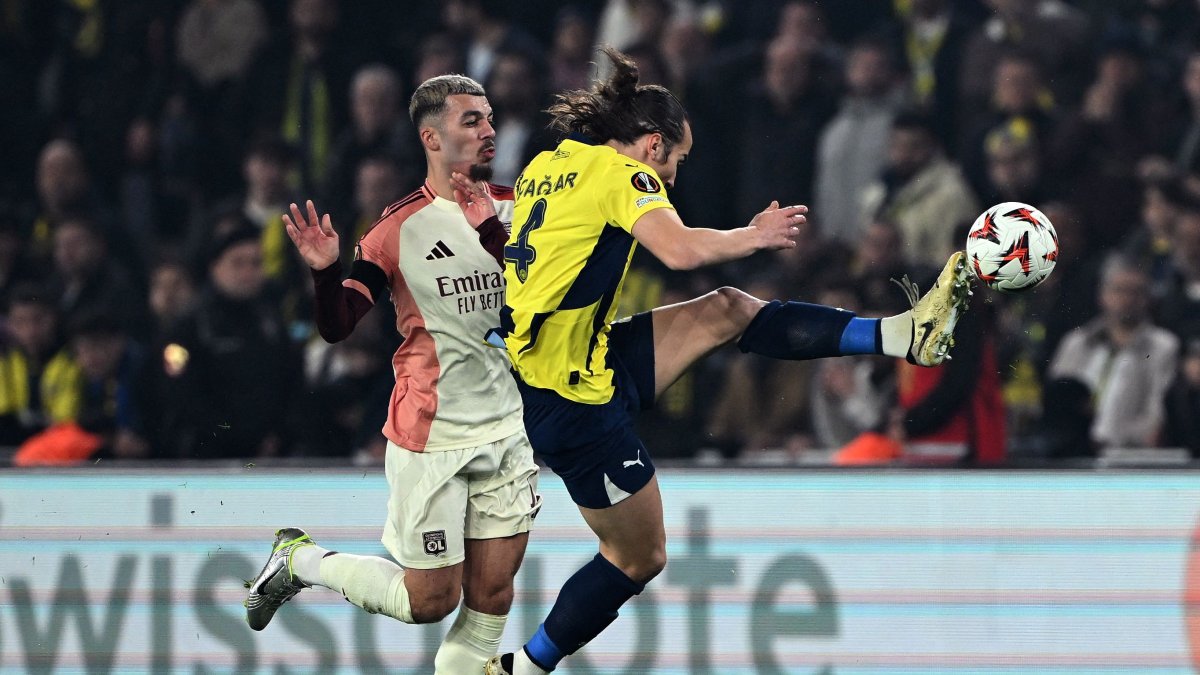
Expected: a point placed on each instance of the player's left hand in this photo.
(473, 199)
(777, 226)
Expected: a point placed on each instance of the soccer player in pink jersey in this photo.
(463, 483)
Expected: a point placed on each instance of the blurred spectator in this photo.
(349, 384)
(1179, 144)
(920, 191)
(1166, 30)
(1126, 361)
(954, 411)
(1064, 429)
(265, 199)
(571, 51)
(1150, 243)
(64, 187)
(229, 372)
(850, 395)
(1052, 32)
(852, 146)
(438, 55)
(777, 164)
(879, 258)
(685, 47)
(1182, 426)
(515, 92)
(15, 265)
(763, 404)
(111, 61)
(1097, 149)
(154, 212)
(298, 87)
(483, 30)
(930, 38)
(216, 45)
(379, 184)
(1179, 304)
(86, 277)
(625, 23)
(1031, 325)
(379, 126)
(805, 270)
(1019, 102)
(172, 296)
(113, 389)
(1014, 166)
(805, 23)
(39, 381)
(217, 39)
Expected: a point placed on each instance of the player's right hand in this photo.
(314, 237)
(779, 227)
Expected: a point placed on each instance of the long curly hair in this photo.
(619, 108)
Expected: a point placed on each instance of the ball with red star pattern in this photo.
(1012, 247)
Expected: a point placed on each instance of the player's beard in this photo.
(478, 172)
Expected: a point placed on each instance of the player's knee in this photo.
(491, 599)
(648, 565)
(736, 306)
(436, 605)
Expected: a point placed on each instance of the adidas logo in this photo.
(440, 251)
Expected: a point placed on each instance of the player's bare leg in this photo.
(633, 550)
(685, 332)
(487, 581)
(632, 535)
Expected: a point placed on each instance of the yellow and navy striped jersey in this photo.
(566, 262)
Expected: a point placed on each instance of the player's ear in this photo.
(430, 139)
(656, 147)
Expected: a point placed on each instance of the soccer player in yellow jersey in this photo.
(580, 211)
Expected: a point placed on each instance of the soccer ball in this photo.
(1012, 247)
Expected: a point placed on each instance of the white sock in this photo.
(897, 333)
(371, 582)
(472, 640)
(305, 563)
(523, 666)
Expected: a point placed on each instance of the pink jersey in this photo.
(452, 390)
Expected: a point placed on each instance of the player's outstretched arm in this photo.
(680, 247)
(338, 308)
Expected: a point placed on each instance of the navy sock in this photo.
(799, 331)
(587, 603)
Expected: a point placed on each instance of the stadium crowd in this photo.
(155, 309)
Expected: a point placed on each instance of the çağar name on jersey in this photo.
(474, 292)
(547, 185)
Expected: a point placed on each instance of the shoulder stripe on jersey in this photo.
(404, 201)
(500, 192)
(390, 211)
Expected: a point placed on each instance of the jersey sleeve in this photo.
(629, 192)
(380, 246)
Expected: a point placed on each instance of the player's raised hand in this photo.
(473, 199)
(314, 237)
(778, 227)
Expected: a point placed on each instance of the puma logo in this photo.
(628, 463)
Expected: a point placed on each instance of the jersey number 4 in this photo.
(519, 253)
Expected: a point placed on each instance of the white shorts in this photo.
(437, 499)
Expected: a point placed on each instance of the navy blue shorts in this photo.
(595, 448)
